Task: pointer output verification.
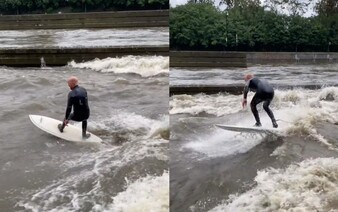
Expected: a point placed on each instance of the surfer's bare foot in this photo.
(85, 135)
(258, 124)
(60, 127)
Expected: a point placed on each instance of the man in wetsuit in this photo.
(264, 93)
(78, 100)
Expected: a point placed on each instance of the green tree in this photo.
(328, 16)
(299, 29)
(14, 5)
(251, 27)
(196, 26)
(31, 6)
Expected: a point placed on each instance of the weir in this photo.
(235, 89)
(61, 56)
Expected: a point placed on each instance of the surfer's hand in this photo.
(244, 102)
(65, 122)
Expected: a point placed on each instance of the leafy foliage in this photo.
(196, 25)
(250, 27)
(49, 6)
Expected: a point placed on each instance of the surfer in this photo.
(78, 100)
(264, 93)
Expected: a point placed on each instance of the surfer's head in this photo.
(72, 82)
(248, 77)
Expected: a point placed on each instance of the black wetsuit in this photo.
(264, 92)
(78, 100)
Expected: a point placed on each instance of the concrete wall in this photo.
(235, 89)
(241, 59)
(146, 18)
(60, 57)
(207, 59)
(271, 57)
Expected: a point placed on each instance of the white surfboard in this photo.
(70, 132)
(249, 129)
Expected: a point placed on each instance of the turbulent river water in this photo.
(128, 98)
(219, 170)
(84, 38)
(210, 169)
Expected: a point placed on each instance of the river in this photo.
(128, 98)
(219, 170)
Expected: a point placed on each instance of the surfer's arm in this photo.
(245, 92)
(69, 107)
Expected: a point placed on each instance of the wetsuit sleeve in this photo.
(69, 106)
(246, 90)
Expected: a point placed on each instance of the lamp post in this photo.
(236, 41)
(328, 46)
(85, 5)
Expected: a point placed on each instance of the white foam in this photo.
(144, 133)
(221, 143)
(159, 126)
(139, 125)
(121, 80)
(84, 38)
(301, 109)
(298, 110)
(149, 194)
(85, 174)
(146, 66)
(92, 169)
(280, 151)
(50, 197)
(311, 185)
(329, 92)
(218, 105)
